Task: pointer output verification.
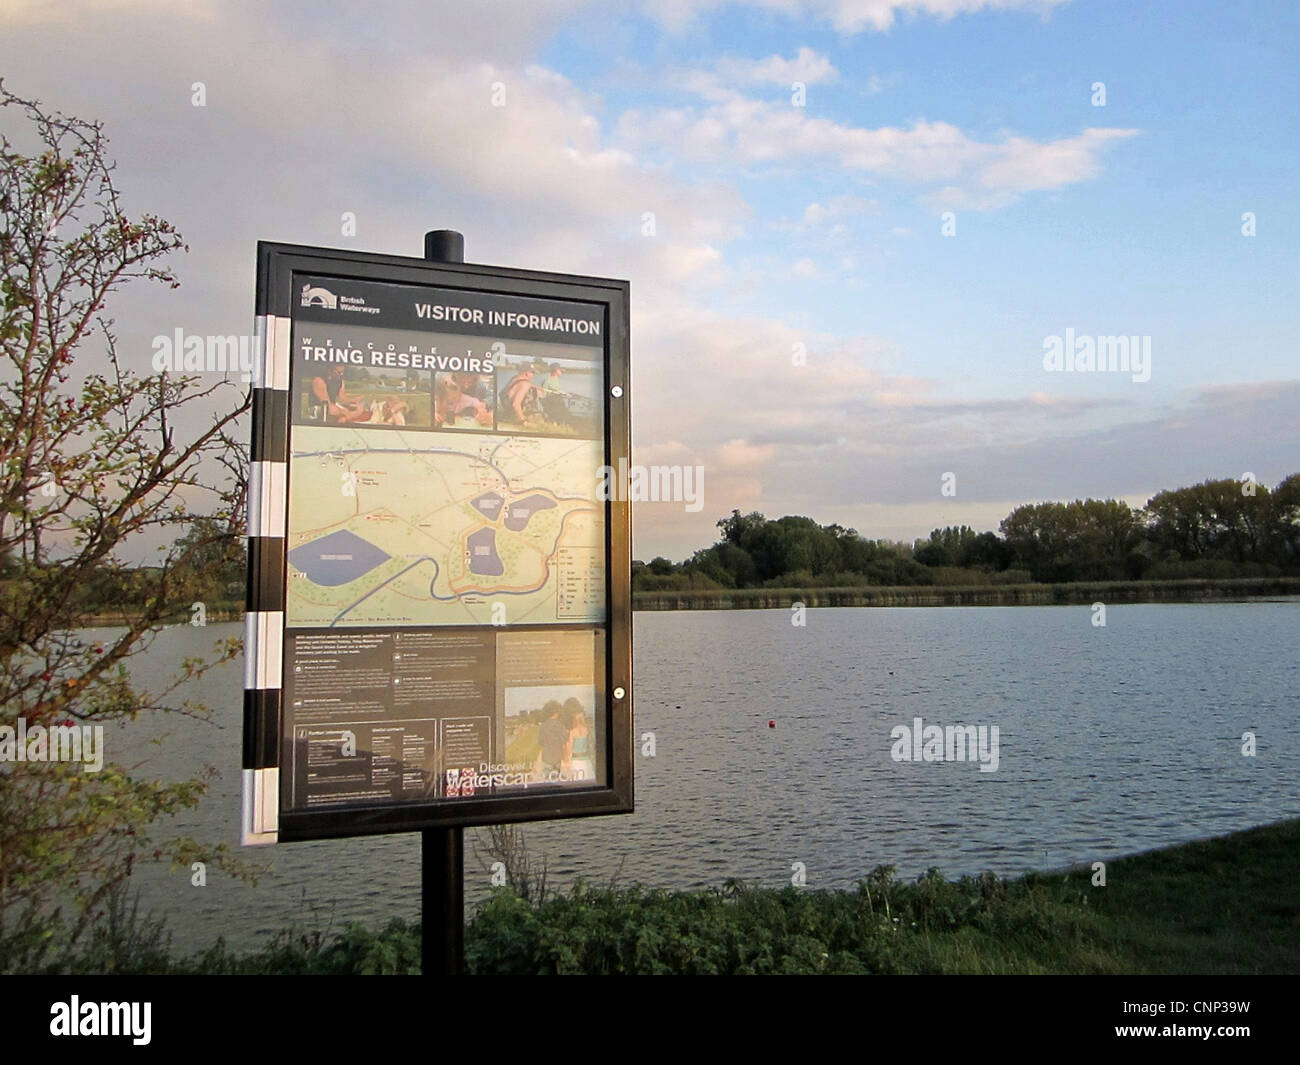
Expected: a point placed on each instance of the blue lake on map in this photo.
(337, 558)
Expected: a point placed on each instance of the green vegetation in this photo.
(1226, 905)
(210, 567)
(1215, 539)
(99, 464)
(1217, 530)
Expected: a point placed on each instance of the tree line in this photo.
(210, 566)
(1216, 529)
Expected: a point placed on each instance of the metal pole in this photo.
(442, 850)
(442, 902)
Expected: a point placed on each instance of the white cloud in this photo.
(301, 130)
(849, 17)
(1024, 165)
(807, 66)
(975, 174)
(837, 208)
(306, 120)
(739, 454)
(855, 16)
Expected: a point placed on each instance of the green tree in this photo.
(1221, 519)
(724, 563)
(1284, 524)
(740, 529)
(945, 547)
(215, 556)
(1084, 540)
(92, 467)
(986, 551)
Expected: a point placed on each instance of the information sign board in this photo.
(439, 603)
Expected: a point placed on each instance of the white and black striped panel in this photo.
(260, 813)
(266, 500)
(272, 335)
(264, 633)
(264, 620)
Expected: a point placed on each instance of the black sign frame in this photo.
(263, 821)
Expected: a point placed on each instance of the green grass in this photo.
(1226, 905)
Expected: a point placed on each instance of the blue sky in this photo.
(1205, 86)
(775, 224)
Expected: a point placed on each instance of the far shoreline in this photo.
(1082, 593)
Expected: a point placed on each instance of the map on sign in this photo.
(443, 528)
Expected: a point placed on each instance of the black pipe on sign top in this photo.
(442, 850)
(444, 246)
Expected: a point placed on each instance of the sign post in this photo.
(439, 602)
(442, 850)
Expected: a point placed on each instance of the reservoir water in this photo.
(1112, 740)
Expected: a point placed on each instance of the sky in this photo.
(852, 227)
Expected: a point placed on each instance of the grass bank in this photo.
(1225, 905)
(1180, 591)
